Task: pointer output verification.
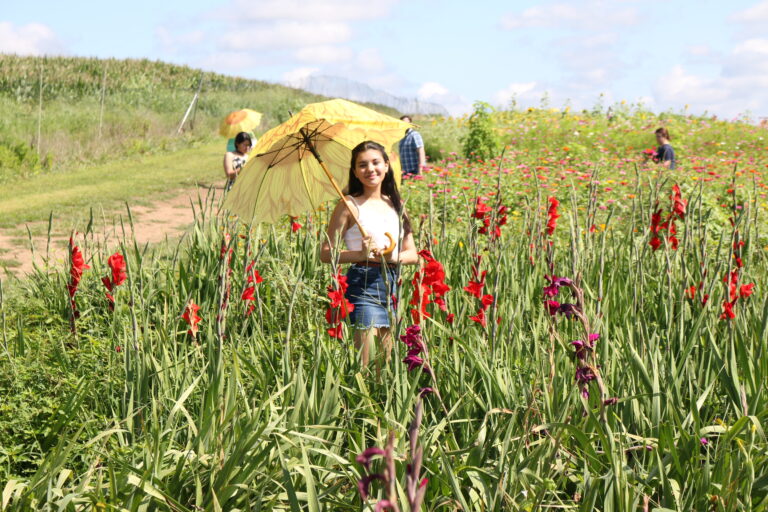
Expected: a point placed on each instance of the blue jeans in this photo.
(371, 290)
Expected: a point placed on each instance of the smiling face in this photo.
(370, 168)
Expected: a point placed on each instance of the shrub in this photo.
(481, 141)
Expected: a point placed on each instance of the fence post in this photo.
(194, 110)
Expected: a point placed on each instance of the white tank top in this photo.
(375, 224)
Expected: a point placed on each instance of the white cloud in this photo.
(517, 91)
(574, 15)
(725, 94)
(756, 13)
(434, 92)
(30, 39)
(429, 90)
(324, 54)
(311, 10)
(285, 34)
(754, 18)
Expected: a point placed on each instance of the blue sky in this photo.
(709, 55)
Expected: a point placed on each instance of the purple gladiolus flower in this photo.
(551, 290)
(425, 391)
(412, 337)
(583, 348)
(568, 310)
(611, 401)
(368, 454)
(364, 483)
(584, 375)
(704, 441)
(413, 361)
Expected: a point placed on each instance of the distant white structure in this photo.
(338, 87)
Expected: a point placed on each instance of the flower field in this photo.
(586, 331)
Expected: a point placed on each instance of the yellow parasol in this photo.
(238, 121)
(304, 162)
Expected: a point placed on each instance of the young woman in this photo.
(235, 160)
(665, 155)
(372, 277)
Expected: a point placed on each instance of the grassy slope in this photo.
(144, 102)
(108, 186)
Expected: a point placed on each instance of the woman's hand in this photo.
(369, 249)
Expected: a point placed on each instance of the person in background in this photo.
(413, 159)
(665, 155)
(235, 160)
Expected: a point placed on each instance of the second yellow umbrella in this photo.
(238, 121)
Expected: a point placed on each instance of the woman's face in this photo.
(659, 138)
(244, 147)
(370, 168)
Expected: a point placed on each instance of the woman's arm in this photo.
(228, 169)
(336, 228)
(408, 254)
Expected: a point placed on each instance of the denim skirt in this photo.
(371, 290)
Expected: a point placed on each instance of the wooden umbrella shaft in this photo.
(317, 156)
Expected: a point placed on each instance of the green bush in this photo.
(481, 142)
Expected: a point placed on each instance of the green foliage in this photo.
(263, 411)
(144, 102)
(481, 141)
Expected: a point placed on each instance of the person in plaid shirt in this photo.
(412, 156)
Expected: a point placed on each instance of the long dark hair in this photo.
(388, 185)
(243, 137)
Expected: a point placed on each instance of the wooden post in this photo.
(186, 114)
(194, 110)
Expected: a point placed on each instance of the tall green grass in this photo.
(266, 412)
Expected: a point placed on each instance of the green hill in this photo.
(143, 104)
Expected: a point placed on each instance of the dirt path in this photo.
(152, 224)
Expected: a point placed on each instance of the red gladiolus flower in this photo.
(728, 313)
(118, 268)
(76, 267)
(340, 307)
(295, 226)
(479, 317)
(252, 275)
(691, 291)
(476, 287)
(117, 264)
(655, 242)
(481, 209)
(746, 290)
(428, 287)
(191, 317)
(552, 215)
(552, 306)
(678, 203)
